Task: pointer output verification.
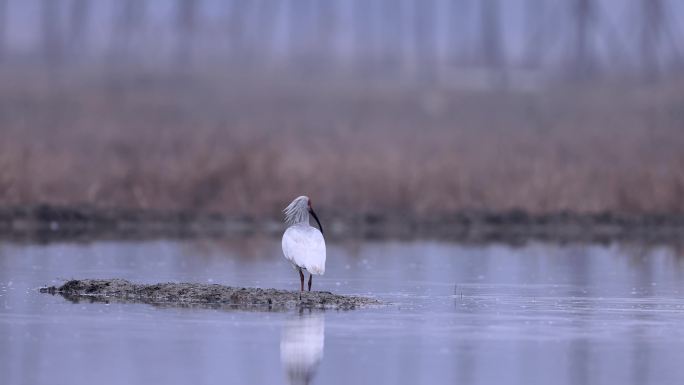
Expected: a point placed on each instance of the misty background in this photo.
(381, 38)
(413, 107)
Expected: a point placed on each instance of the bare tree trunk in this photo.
(673, 37)
(129, 18)
(327, 31)
(364, 38)
(535, 32)
(459, 13)
(375, 20)
(237, 37)
(78, 22)
(392, 34)
(187, 14)
(583, 16)
(424, 38)
(305, 33)
(267, 12)
(651, 35)
(492, 50)
(52, 32)
(3, 28)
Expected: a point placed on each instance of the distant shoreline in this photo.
(46, 223)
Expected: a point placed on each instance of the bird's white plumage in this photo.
(304, 246)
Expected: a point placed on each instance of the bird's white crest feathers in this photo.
(297, 211)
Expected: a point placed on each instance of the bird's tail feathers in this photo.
(316, 269)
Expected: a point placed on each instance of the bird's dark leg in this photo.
(310, 276)
(301, 280)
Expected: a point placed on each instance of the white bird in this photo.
(303, 245)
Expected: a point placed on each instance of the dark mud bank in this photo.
(204, 295)
(45, 223)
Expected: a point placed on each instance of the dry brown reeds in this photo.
(249, 146)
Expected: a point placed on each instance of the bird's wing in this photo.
(305, 247)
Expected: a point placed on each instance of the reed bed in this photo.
(248, 146)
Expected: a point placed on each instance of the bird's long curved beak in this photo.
(316, 218)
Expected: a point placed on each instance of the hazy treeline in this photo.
(415, 39)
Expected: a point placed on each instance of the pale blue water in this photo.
(536, 314)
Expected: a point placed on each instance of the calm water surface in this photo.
(468, 314)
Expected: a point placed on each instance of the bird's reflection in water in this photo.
(301, 346)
